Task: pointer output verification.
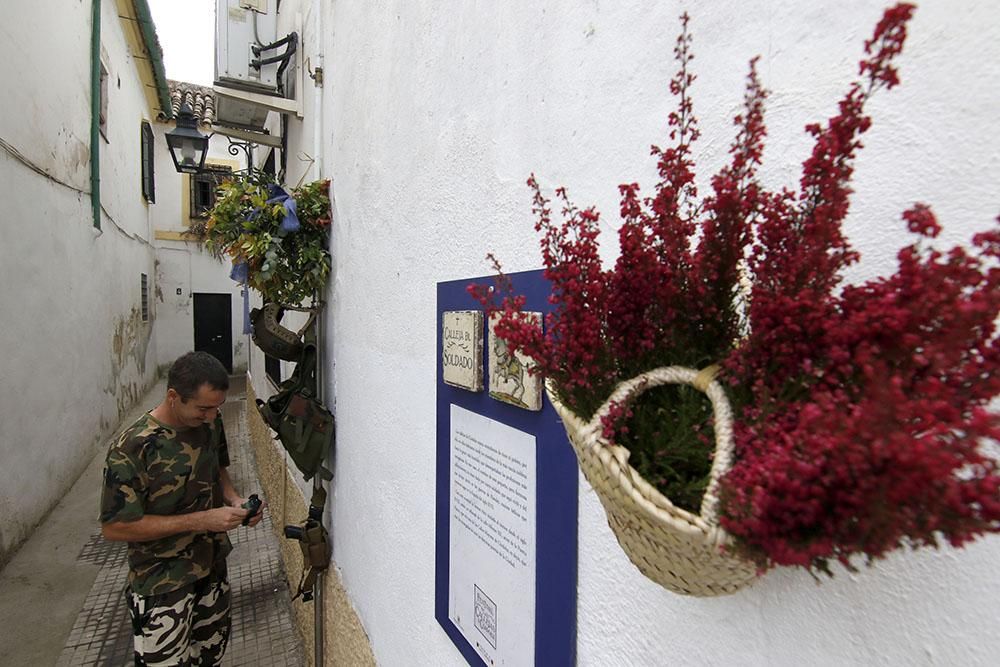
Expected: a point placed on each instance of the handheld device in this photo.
(253, 504)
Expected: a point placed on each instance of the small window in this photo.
(103, 118)
(203, 188)
(144, 295)
(269, 164)
(148, 183)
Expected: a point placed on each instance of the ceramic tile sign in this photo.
(462, 348)
(510, 381)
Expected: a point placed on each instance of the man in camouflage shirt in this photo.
(168, 494)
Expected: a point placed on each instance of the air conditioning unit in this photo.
(242, 27)
(256, 71)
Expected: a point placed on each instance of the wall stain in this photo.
(82, 154)
(129, 344)
(130, 340)
(158, 278)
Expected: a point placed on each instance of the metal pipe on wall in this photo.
(95, 112)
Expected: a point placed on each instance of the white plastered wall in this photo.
(77, 352)
(434, 116)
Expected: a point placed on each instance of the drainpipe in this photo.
(319, 610)
(95, 112)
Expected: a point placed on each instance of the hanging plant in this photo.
(277, 240)
(859, 411)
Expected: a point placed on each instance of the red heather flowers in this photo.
(861, 410)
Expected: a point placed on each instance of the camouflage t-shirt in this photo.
(155, 469)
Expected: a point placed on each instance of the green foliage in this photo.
(283, 265)
(670, 435)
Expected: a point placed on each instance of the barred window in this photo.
(144, 295)
(204, 186)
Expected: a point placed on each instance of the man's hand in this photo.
(153, 526)
(234, 500)
(255, 519)
(222, 519)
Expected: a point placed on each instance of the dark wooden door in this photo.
(213, 326)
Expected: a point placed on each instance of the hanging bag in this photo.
(304, 426)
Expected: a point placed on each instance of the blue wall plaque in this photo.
(506, 516)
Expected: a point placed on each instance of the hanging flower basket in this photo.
(683, 552)
(856, 417)
(278, 240)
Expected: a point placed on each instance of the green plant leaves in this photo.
(284, 267)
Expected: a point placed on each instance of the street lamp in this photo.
(188, 146)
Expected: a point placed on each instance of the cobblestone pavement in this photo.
(263, 633)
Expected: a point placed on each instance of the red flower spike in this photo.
(860, 409)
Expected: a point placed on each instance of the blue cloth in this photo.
(278, 196)
(240, 272)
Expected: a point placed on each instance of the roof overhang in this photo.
(140, 32)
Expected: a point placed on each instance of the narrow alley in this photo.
(611, 334)
(63, 603)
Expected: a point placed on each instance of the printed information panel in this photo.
(492, 538)
(505, 522)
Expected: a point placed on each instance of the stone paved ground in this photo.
(263, 633)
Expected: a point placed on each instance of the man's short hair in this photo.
(194, 369)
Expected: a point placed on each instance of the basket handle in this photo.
(705, 382)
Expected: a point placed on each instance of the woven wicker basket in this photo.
(681, 551)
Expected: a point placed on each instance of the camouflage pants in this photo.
(186, 627)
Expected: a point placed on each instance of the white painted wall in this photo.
(435, 114)
(76, 352)
(186, 265)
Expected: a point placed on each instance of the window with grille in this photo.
(148, 184)
(204, 186)
(144, 295)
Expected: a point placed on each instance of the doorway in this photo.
(213, 327)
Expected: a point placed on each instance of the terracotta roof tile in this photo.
(201, 99)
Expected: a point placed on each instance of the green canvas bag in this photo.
(304, 426)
